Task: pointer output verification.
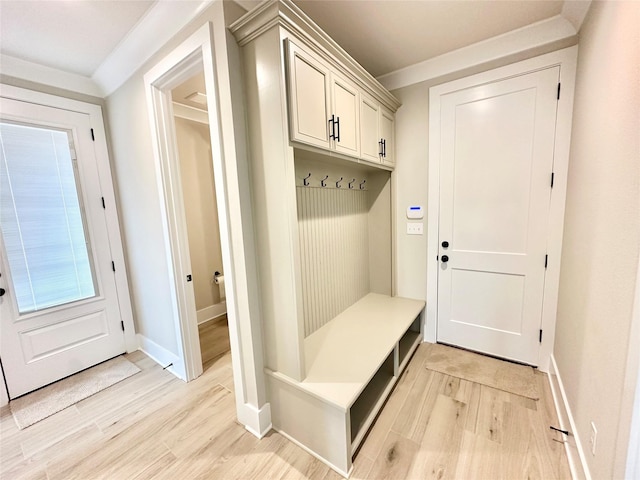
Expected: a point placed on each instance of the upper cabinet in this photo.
(387, 137)
(323, 106)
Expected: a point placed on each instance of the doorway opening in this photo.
(201, 214)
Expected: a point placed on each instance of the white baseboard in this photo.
(572, 443)
(161, 355)
(211, 312)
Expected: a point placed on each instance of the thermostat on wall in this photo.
(415, 212)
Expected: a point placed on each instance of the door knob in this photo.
(445, 258)
(445, 244)
(2, 292)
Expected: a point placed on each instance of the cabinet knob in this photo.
(444, 258)
(445, 244)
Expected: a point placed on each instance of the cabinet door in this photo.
(308, 83)
(387, 134)
(369, 138)
(346, 108)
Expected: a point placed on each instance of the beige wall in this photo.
(602, 231)
(196, 170)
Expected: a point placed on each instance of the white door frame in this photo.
(197, 52)
(107, 190)
(566, 59)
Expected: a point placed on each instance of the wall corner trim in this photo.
(257, 421)
(572, 444)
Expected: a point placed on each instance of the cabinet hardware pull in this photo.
(337, 123)
(332, 124)
(381, 152)
(384, 148)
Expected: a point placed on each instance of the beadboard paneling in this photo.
(334, 248)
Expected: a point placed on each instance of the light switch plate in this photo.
(415, 228)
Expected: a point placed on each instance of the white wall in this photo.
(602, 235)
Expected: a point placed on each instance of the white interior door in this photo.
(495, 184)
(60, 310)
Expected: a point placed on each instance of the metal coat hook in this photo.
(322, 182)
(362, 184)
(304, 180)
(338, 183)
(351, 183)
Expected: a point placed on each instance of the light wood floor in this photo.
(153, 425)
(214, 339)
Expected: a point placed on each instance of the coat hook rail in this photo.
(338, 183)
(362, 184)
(305, 180)
(351, 183)
(323, 182)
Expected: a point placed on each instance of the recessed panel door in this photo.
(59, 310)
(495, 185)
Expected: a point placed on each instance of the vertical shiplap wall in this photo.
(334, 250)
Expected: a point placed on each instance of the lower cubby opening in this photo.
(409, 339)
(365, 407)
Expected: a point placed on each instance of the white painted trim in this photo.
(159, 25)
(107, 187)
(211, 312)
(34, 72)
(160, 355)
(190, 113)
(573, 445)
(510, 43)
(566, 59)
(257, 421)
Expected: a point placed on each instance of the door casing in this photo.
(566, 59)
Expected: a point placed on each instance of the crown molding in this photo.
(575, 12)
(36, 73)
(516, 41)
(159, 25)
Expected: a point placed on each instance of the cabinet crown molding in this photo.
(286, 14)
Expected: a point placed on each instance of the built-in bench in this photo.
(352, 364)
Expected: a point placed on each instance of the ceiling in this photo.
(83, 37)
(73, 36)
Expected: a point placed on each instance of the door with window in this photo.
(59, 309)
(496, 164)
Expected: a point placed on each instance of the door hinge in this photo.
(546, 261)
(103, 205)
(93, 136)
(122, 325)
(113, 266)
(540, 336)
(552, 178)
(558, 91)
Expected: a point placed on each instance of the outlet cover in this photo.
(415, 228)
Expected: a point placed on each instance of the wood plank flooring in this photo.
(214, 338)
(154, 426)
